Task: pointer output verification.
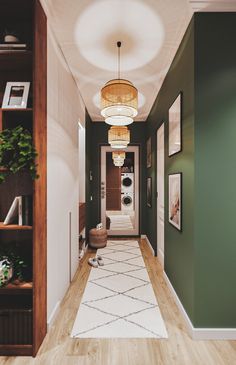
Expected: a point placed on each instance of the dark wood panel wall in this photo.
(113, 184)
(82, 216)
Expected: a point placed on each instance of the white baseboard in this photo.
(160, 257)
(144, 236)
(200, 333)
(53, 315)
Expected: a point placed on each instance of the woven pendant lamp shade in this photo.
(119, 137)
(119, 102)
(118, 155)
(119, 163)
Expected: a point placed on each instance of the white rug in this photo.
(120, 222)
(119, 301)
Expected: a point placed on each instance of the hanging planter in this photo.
(17, 153)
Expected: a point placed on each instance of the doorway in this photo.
(120, 192)
(160, 194)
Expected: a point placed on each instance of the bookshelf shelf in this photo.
(13, 289)
(14, 227)
(16, 110)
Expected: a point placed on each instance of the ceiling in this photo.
(150, 32)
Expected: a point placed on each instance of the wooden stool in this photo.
(97, 238)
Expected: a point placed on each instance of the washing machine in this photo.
(127, 182)
(127, 201)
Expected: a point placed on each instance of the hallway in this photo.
(117, 133)
(179, 349)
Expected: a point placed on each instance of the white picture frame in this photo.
(16, 95)
(175, 200)
(175, 133)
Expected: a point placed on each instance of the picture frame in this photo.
(149, 192)
(175, 126)
(175, 200)
(16, 95)
(149, 152)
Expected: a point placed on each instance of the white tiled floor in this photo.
(118, 300)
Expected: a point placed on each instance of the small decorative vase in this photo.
(6, 271)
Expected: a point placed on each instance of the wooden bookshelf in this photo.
(28, 65)
(14, 227)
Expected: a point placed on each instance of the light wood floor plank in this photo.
(59, 349)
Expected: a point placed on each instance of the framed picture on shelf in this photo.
(16, 95)
(175, 200)
(149, 152)
(149, 192)
(175, 118)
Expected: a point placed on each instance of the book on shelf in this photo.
(20, 211)
(13, 213)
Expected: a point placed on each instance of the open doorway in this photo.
(120, 192)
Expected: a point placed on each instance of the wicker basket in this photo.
(97, 238)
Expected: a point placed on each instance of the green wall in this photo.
(215, 170)
(98, 135)
(200, 260)
(179, 246)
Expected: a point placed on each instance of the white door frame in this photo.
(135, 231)
(161, 194)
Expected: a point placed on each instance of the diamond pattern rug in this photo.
(119, 301)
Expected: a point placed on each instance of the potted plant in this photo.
(17, 152)
(6, 270)
(13, 265)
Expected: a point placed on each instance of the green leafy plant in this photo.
(17, 262)
(17, 152)
(5, 270)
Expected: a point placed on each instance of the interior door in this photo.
(160, 195)
(120, 192)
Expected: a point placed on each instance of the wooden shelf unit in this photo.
(26, 65)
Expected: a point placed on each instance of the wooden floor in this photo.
(59, 349)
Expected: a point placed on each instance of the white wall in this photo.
(82, 153)
(65, 109)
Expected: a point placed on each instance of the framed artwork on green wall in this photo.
(149, 192)
(149, 152)
(175, 117)
(175, 200)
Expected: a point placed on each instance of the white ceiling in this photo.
(150, 32)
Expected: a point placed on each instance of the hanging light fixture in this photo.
(118, 155)
(118, 158)
(119, 100)
(118, 137)
(119, 163)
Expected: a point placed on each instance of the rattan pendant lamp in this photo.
(119, 137)
(119, 100)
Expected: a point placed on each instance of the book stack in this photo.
(20, 211)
